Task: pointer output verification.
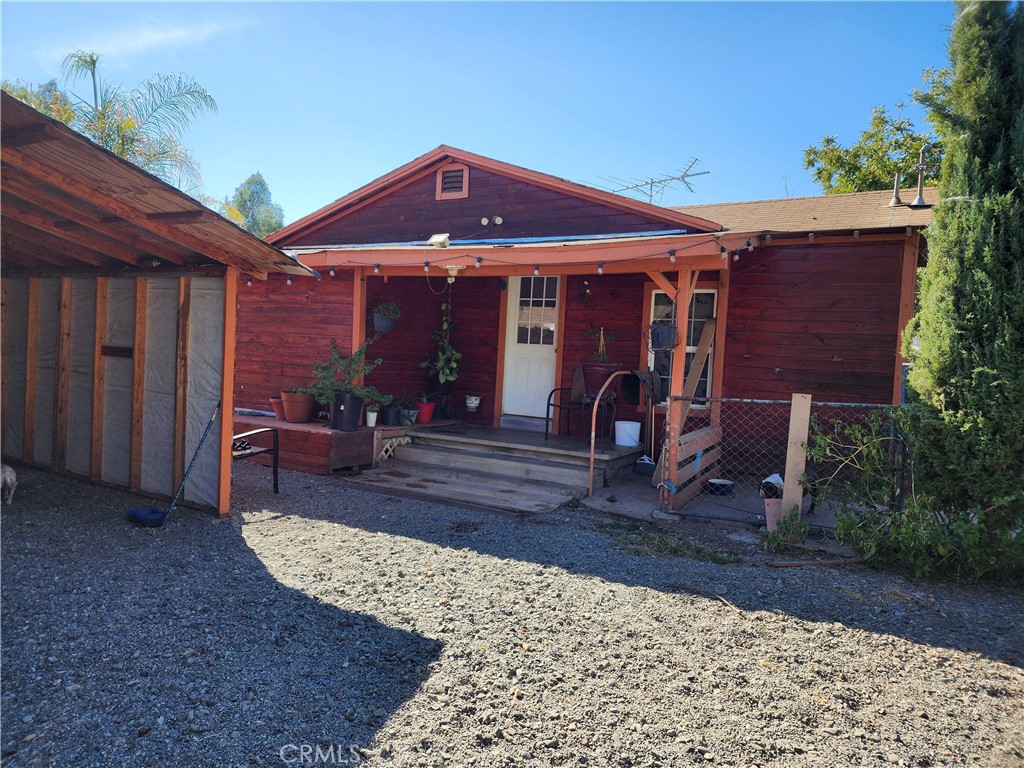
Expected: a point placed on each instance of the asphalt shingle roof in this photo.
(829, 213)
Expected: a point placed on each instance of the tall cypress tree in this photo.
(967, 340)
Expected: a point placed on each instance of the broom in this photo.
(151, 517)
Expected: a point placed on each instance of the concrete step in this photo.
(467, 462)
(479, 489)
(579, 454)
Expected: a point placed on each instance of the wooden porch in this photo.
(510, 469)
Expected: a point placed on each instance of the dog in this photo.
(10, 482)
(773, 485)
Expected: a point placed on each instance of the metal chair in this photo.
(243, 449)
(576, 398)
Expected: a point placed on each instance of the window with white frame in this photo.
(663, 310)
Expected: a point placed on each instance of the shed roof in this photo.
(67, 204)
(863, 211)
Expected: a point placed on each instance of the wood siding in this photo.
(411, 213)
(820, 319)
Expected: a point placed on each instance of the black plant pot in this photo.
(383, 324)
(353, 409)
(337, 411)
(391, 416)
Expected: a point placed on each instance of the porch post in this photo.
(684, 292)
(718, 360)
(358, 310)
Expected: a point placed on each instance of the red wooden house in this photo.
(806, 295)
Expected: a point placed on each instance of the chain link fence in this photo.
(733, 455)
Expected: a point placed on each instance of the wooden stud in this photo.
(227, 390)
(563, 287)
(31, 361)
(181, 379)
(358, 311)
(686, 281)
(907, 287)
(138, 384)
(796, 452)
(98, 380)
(62, 377)
(499, 374)
(718, 366)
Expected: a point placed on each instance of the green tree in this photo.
(47, 98)
(144, 125)
(966, 341)
(889, 146)
(260, 214)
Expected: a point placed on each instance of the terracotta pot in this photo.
(275, 403)
(426, 412)
(298, 407)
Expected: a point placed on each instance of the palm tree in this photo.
(144, 125)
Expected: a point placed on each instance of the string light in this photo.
(479, 261)
(331, 273)
(249, 281)
(426, 266)
(536, 270)
(672, 256)
(750, 246)
(600, 267)
(723, 250)
(289, 280)
(376, 269)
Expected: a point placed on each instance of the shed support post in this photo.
(796, 452)
(227, 392)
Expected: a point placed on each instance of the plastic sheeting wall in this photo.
(205, 371)
(204, 375)
(15, 341)
(158, 410)
(117, 382)
(80, 375)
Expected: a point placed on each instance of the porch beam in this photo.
(664, 283)
(907, 284)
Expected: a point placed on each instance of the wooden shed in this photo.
(118, 327)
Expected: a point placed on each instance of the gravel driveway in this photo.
(333, 626)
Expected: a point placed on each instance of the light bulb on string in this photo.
(331, 273)
(536, 270)
(426, 266)
(289, 280)
(672, 256)
(600, 267)
(479, 261)
(249, 281)
(376, 269)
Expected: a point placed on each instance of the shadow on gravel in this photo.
(983, 619)
(176, 647)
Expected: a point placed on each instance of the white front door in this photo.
(531, 333)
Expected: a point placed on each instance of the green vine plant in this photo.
(789, 533)
(444, 365)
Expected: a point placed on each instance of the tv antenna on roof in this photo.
(654, 187)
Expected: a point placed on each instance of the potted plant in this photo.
(472, 402)
(425, 405)
(384, 316)
(298, 405)
(410, 413)
(374, 400)
(334, 387)
(275, 403)
(444, 365)
(597, 371)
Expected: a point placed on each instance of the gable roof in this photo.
(70, 205)
(432, 160)
(862, 211)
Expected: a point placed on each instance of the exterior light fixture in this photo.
(439, 241)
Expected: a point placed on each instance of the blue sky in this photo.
(325, 97)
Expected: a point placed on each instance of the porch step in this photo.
(477, 489)
(468, 462)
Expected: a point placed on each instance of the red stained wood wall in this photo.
(819, 319)
(411, 213)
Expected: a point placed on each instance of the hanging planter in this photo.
(385, 315)
(472, 403)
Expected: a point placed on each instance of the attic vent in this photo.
(453, 182)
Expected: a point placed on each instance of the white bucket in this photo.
(627, 433)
